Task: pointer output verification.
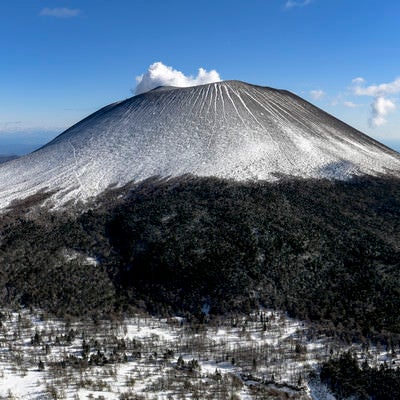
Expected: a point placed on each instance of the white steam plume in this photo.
(159, 74)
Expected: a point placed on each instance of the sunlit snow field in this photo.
(263, 354)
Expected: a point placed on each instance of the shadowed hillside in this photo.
(325, 251)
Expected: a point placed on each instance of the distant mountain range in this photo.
(4, 158)
(230, 130)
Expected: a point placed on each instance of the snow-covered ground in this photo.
(264, 354)
(226, 129)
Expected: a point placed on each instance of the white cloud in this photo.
(380, 108)
(60, 12)
(381, 105)
(317, 94)
(358, 81)
(159, 74)
(376, 90)
(350, 104)
(297, 3)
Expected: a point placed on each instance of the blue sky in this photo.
(63, 59)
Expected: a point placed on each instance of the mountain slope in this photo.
(228, 129)
(323, 251)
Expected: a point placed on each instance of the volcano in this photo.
(230, 129)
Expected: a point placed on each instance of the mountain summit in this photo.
(227, 129)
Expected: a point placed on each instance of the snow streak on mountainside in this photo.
(227, 129)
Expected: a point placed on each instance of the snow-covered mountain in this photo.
(227, 129)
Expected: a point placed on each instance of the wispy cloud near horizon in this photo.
(62, 12)
(25, 128)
